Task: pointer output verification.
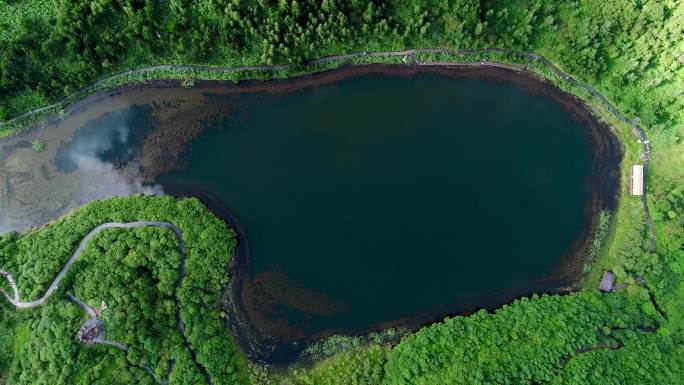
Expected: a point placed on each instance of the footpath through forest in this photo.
(15, 298)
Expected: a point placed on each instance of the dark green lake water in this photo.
(381, 198)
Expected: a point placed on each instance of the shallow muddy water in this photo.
(364, 200)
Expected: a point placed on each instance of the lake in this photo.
(386, 200)
(366, 198)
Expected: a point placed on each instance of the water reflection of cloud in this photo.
(96, 162)
(100, 149)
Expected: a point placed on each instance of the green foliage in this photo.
(338, 343)
(187, 83)
(352, 367)
(644, 359)
(37, 146)
(525, 342)
(134, 272)
(7, 337)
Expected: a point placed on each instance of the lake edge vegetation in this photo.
(632, 52)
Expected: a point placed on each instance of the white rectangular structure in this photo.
(637, 179)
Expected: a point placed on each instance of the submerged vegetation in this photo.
(600, 234)
(631, 51)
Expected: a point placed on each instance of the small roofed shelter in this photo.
(638, 179)
(607, 282)
(90, 331)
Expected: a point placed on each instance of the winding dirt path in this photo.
(15, 298)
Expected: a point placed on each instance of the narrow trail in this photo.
(530, 56)
(15, 298)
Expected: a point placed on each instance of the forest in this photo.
(631, 51)
(134, 274)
